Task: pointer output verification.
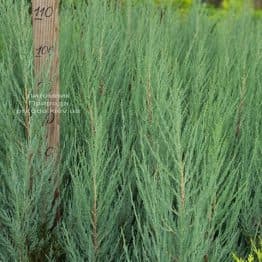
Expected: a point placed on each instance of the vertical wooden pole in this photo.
(46, 61)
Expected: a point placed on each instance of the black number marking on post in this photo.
(39, 83)
(46, 82)
(49, 151)
(43, 12)
(50, 118)
(43, 50)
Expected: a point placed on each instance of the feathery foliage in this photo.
(160, 137)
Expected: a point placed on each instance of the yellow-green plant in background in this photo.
(254, 256)
(235, 4)
(183, 5)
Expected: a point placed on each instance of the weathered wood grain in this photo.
(45, 15)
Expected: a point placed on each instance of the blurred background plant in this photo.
(255, 253)
(225, 4)
(217, 8)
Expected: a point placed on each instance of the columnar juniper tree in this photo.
(161, 142)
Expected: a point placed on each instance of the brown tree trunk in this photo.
(216, 3)
(258, 4)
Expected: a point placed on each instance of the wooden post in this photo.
(46, 61)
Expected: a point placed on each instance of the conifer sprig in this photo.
(160, 138)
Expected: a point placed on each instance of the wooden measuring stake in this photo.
(46, 62)
(46, 68)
